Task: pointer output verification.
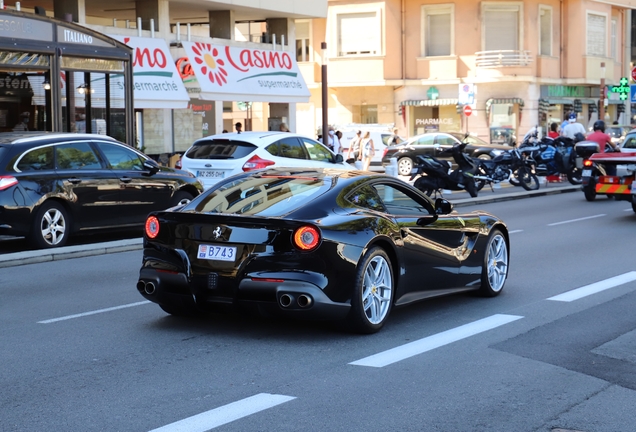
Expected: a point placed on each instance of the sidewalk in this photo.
(68, 252)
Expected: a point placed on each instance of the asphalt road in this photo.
(81, 350)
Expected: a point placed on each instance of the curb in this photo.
(69, 252)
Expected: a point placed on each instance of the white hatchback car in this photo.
(217, 157)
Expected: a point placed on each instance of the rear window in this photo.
(220, 149)
(615, 132)
(270, 196)
(630, 142)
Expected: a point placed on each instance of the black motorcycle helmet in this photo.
(599, 125)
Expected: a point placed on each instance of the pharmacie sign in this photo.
(156, 81)
(230, 73)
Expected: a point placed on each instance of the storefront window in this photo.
(503, 123)
(25, 104)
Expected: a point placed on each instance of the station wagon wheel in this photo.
(373, 292)
(51, 226)
(181, 198)
(405, 165)
(495, 267)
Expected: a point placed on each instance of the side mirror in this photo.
(339, 158)
(151, 166)
(442, 206)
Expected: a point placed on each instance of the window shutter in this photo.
(546, 30)
(613, 41)
(438, 34)
(358, 34)
(596, 35)
(502, 30)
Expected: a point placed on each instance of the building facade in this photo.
(417, 64)
(198, 66)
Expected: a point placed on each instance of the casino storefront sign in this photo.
(61, 77)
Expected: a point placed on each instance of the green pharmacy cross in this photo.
(622, 89)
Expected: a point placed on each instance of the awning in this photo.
(429, 102)
(498, 101)
(229, 73)
(156, 82)
(565, 101)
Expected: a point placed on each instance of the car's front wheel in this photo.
(495, 266)
(180, 198)
(405, 165)
(373, 292)
(51, 226)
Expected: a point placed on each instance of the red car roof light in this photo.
(7, 181)
(152, 227)
(306, 238)
(256, 163)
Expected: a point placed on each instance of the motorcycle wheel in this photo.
(528, 180)
(471, 189)
(575, 176)
(514, 179)
(480, 183)
(590, 190)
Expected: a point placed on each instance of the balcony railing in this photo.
(495, 59)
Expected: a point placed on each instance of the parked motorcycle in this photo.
(436, 175)
(508, 166)
(553, 156)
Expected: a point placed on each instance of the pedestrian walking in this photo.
(367, 149)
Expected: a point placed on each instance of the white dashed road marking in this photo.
(435, 341)
(515, 231)
(226, 414)
(595, 287)
(577, 220)
(68, 317)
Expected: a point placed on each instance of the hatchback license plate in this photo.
(210, 174)
(217, 253)
(586, 173)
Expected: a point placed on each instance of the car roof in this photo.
(39, 136)
(250, 137)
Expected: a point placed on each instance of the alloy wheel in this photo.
(497, 262)
(53, 226)
(377, 287)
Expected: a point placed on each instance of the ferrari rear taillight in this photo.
(306, 238)
(152, 227)
(256, 163)
(587, 163)
(7, 182)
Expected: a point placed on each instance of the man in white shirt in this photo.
(572, 128)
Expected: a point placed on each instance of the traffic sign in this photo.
(632, 93)
(634, 73)
(467, 110)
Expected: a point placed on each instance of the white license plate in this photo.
(217, 253)
(210, 174)
(587, 173)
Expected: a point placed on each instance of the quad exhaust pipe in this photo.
(304, 301)
(146, 287)
(286, 300)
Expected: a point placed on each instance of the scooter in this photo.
(436, 175)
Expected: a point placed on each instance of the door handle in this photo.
(125, 179)
(74, 180)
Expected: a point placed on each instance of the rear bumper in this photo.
(279, 296)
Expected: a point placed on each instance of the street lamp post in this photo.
(601, 108)
(325, 94)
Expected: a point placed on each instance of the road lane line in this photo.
(594, 288)
(429, 343)
(226, 414)
(628, 209)
(576, 220)
(68, 317)
(515, 231)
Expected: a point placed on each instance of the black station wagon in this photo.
(53, 185)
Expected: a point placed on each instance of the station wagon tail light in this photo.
(7, 181)
(306, 238)
(152, 227)
(587, 163)
(256, 163)
(177, 164)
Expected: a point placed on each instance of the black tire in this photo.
(590, 190)
(495, 265)
(180, 197)
(471, 187)
(372, 297)
(51, 226)
(528, 180)
(480, 183)
(634, 204)
(574, 176)
(405, 165)
(514, 180)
